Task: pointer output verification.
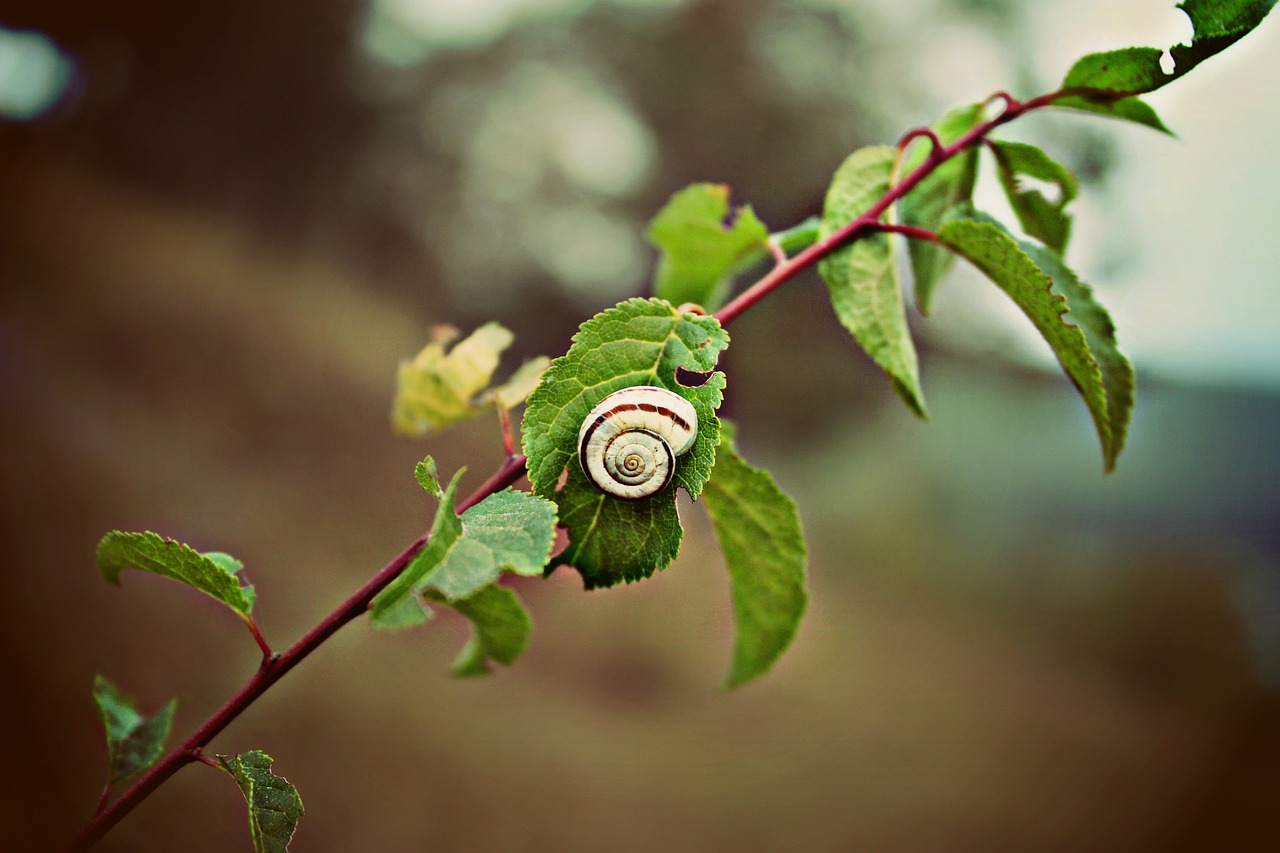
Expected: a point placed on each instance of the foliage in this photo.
(758, 528)
(438, 389)
(274, 804)
(213, 573)
(942, 193)
(639, 342)
(921, 189)
(507, 531)
(134, 742)
(700, 252)
(862, 278)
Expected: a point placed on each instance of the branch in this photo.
(273, 668)
(870, 218)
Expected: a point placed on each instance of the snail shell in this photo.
(629, 442)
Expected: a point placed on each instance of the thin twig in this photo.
(271, 671)
(259, 639)
(274, 666)
(783, 273)
(905, 230)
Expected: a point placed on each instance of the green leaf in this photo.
(396, 614)
(134, 742)
(1100, 334)
(438, 389)
(1216, 25)
(862, 277)
(274, 804)
(389, 608)
(1131, 109)
(933, 200)
(508, 531)
(213, 574)
(999, 256)
(613, 541)
(703, 245)
(502, 627)
(425, 473)
(764, 549)
(638, 342)
(1127, 71)
(1040, 218)
(798, 237)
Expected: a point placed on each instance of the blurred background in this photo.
(223, 225)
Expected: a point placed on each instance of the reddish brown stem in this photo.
(869, 219)
(504, 422)
(935, 144)
(273, 668)
(905, 230)
(199, 755)
(258, 638)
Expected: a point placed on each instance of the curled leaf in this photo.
(213, 574)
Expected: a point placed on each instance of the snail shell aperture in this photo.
(629, 442)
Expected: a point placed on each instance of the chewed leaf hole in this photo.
(692, 378)
(1049, 190)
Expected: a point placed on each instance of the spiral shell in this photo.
(629, 442)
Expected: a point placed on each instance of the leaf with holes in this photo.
(638, 342)
(862, 278)
(274, 804)
(702, 244)
(213, 573)
(759, 531)
(1117, 75)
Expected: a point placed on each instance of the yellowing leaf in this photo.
(438, 387)
(517, 389)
